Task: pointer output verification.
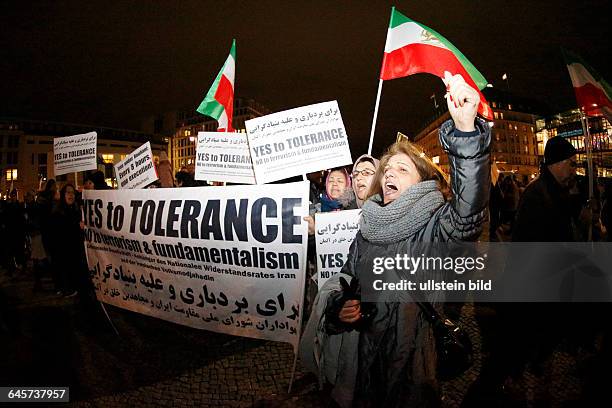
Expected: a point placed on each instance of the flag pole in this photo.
(589, 150)
(584, 120)
(380, 83)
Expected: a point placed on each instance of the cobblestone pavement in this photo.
(54, 341)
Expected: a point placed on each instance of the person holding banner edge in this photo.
(390, 359)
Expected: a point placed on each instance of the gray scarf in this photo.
(401, 218)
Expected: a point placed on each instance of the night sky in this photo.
(112, 63)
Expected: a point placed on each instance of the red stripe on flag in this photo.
(589, 95)
(422, 58)
(225, 96)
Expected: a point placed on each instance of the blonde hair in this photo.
(425, 167)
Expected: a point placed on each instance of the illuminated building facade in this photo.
(568, 125)
(26, 151)
(514, 146)
(183, 126)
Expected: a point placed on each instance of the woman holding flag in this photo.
(383, 354)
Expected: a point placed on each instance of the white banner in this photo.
(137, 170)
(335, 232)
(298, 141)
(227, 259)
(75, 153)
(224, 156)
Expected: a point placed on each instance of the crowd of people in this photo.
(368, 353)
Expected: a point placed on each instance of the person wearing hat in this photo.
(545, 213)
(519, 334)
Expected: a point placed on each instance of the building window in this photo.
(187, 132)
(11, 174)
(509, 107)
(11, 158)
(108, 158)
(13, 141)
(501, 115)
(496, 115)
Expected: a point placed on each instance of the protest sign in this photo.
(297, 141)
(224, 156)
(335, 232)
(137, 170)
(227, 259)
(75, 153)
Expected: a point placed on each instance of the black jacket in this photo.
(544, 213)
(396, 352)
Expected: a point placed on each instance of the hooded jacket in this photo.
(345, 202)
(363, 157)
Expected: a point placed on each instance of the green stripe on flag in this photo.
(233, 49)
(571, 58)
(210, 106)
(398, 19)
(478, 78)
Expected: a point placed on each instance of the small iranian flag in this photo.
(219, 101)
(413, 48)
(593, 93)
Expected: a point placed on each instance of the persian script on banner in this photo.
(335, 232)
(298, 141)
(226, 259)
(224, 156)
(75, 153)
(137, 170)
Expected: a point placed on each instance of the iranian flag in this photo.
(413, 48)
(219, 101)
(593, 93)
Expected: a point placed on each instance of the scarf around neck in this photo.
(402, 218)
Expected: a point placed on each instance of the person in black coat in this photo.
(67, 249)
(16, 232)
(545, 209)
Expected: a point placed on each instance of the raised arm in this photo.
(466, 140)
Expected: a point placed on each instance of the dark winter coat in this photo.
(67, 247)
(544, 213)
(396, 357)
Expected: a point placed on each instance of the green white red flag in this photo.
(593, 93)
(413, 48)
(219, 101)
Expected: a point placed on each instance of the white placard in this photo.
(335, 232)
(298, 141)
(137, 170)
(228, 259)
(224, 156)
(75, 153)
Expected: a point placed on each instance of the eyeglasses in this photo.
(364, 173)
